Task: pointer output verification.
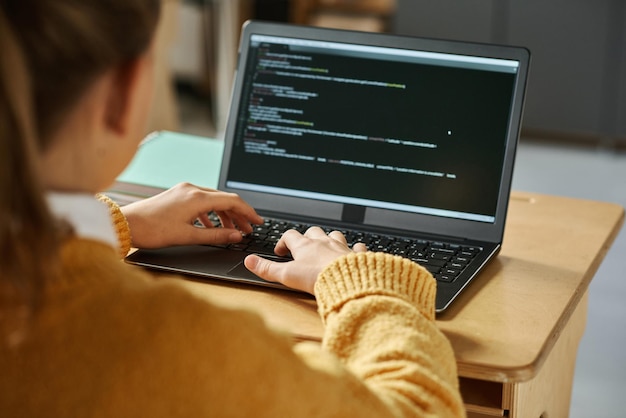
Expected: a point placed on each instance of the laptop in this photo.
(406, 144)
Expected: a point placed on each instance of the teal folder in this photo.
(167, 158)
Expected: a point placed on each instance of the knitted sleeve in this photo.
(379, 315)
(119, 222)
(363, 274)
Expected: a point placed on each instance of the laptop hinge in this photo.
(353, 214)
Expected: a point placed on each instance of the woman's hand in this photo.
(168, 218)
(311, 253)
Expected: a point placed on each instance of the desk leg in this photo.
(549, 394)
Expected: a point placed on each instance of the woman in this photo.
(83, 334)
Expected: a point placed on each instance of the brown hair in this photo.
(68, 43)
(61, 46)
(25, 223)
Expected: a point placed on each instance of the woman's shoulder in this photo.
(94, 270)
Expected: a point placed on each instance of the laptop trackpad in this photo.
(240, 270)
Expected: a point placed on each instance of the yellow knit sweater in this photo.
(113, 341)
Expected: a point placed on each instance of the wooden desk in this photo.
(516, 328)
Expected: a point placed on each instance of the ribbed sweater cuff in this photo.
(357, 275)
(120, 223)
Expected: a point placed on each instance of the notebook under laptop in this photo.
(412, 140)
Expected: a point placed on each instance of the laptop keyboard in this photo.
(444, 260)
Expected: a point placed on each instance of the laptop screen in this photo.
(373, 130)
(397, 129)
